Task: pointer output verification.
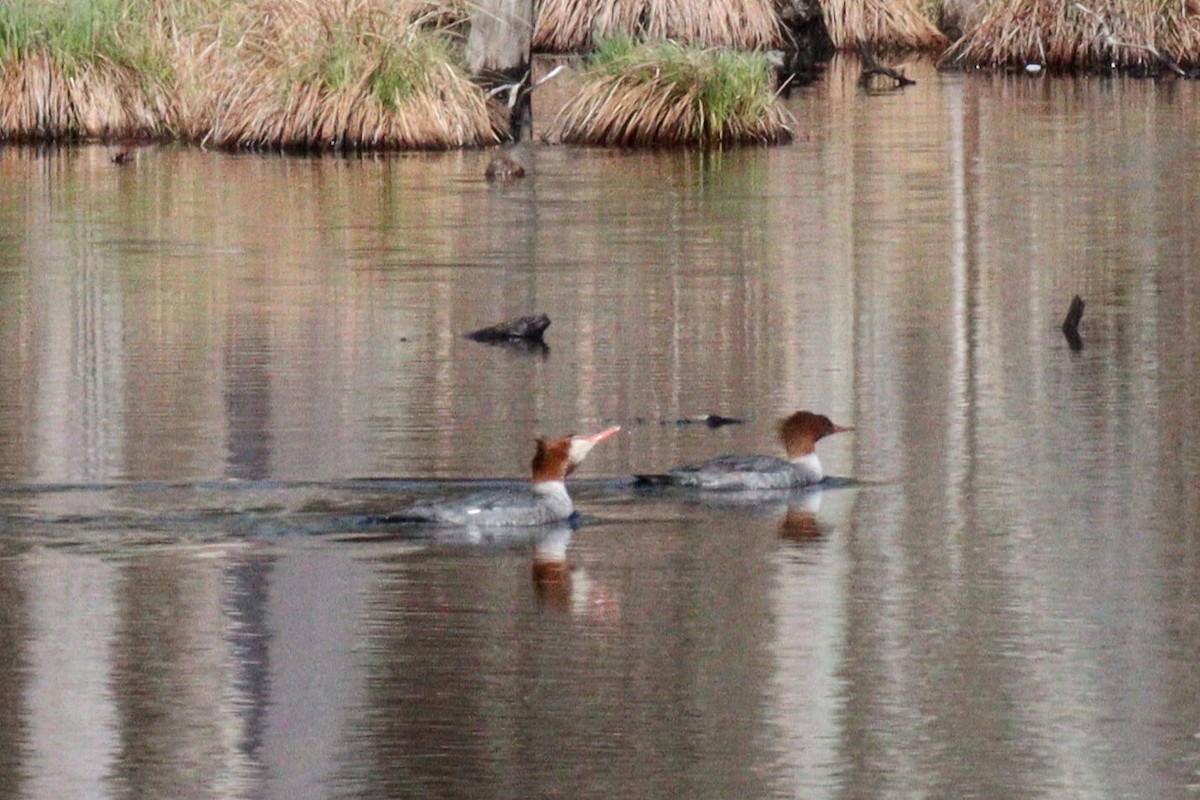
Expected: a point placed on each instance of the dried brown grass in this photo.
(882, 24)
(309, 74)
(361, 74)
(1082, 36)
(668, 94)
(40, 102)
(68, 72)
(575, 25)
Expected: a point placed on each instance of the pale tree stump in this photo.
(498, 54)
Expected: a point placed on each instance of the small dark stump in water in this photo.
(1070, 326)
(711, 420)
(121, 157)
(522, 329)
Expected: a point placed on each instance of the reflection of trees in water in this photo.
(175, 708)
(16, 362)
(248, 396)
(477, 678)
(248, 582)
(987, 591)
(14, 678)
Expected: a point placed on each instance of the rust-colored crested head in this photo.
(555, 459)
(801, 432)
(552, 460)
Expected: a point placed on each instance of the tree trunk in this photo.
(498, 53)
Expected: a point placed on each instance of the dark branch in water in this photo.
(1070, 326)
(872, 67)
(711, 420)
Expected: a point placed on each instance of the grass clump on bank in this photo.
(303, 74)
(77, 70)
(575, 25)
(882, 24)
(666, 93)
(1137, 35)
(359, 74)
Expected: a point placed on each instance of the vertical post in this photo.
(498, 52)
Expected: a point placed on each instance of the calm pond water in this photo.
(214, 365)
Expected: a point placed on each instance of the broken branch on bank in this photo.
(1110, 39)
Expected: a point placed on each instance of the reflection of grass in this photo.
(667, 93)
(305, 73)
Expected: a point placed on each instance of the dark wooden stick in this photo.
(872, 67)
(1070, 326)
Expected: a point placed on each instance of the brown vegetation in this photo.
(577, 25)
(382, 74)
(882, 24)
(40, 101)
(299, 74)
(1137, 34)
(667, 94)
(359, 74)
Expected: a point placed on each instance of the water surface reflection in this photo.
(216, 365)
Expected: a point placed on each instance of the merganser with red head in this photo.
(800, 433)
(544, 501)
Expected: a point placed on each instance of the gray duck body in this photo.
(748, 472)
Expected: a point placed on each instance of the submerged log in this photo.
(1070, 326)
(527, 329)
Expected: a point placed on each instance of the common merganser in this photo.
(800, 433)
(545, 501)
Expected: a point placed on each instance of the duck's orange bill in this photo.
(596, 438)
